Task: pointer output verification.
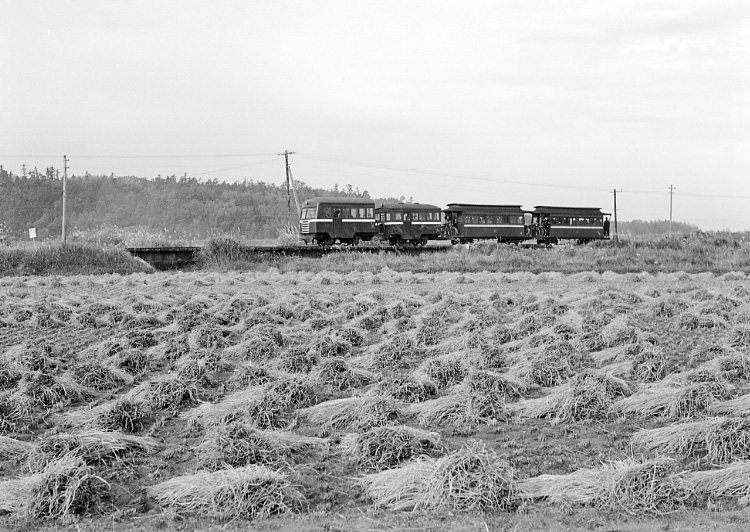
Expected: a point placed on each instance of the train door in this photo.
(338, 225)
(407, 235)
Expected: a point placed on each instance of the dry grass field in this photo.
(375, 401)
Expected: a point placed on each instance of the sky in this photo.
(503, 102)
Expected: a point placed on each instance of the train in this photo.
(326, 221)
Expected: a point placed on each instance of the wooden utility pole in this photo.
(671, 193)
(65, 194)
(286, 155)
(614, 210)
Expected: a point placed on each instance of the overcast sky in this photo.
(525, 102)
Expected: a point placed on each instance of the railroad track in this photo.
(166, 258)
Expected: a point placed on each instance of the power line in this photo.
(192, 156)
(241, 166)
(446, 174)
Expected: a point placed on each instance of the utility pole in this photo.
(671, 193)
(614, 210)
(65, 194)
(286, 155)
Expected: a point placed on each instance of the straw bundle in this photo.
(732, 480)
(92, 445)
(461, 407)
(408, 389)
(248, 492)
(15, 411)
(65, 487)
(720, 439)
(739, 406)
(586, 397)
(473, 478)
(12, 448)
(239, 444)
(354, 413)
(667, 400)
(100, 376)
(386, 447)
(339, 375)
(653, 487)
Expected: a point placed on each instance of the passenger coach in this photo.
(414, 223)
(325, 221)
(465, 222)
(550, 224)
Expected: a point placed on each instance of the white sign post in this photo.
(32, 233)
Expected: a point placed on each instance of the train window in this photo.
(362, 212)
(327, 212)
(482, 220)
(398, 215)
(369, 212)
(388, 217)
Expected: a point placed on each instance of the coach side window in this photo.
(327, 212)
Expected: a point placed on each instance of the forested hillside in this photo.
(184, 205)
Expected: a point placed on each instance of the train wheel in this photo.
(357, 240)
(423, 241)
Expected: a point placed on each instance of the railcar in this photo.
(325, 221)
(415, 223)
(465, 222)
(584, 224)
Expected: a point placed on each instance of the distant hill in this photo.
(657, 227)
(184, 205)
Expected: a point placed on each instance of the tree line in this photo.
(188, 205)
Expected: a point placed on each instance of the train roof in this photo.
(413, 206)
(483, 207)
(339, 201)
(578, 211)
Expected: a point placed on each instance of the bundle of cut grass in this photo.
(353, 335)
(15, 411)
(739, 406)
(66, 487)
(670, 401)
(232, 407)
(398, 352)
(445, 371)
(386, 447)
(408, 389)
(555, 365)
(248, 492)
(169, 392)
(330, 345)
(473, 478)
(740, 337)
(238, 444)
(460, 408)
(255, 347)
(735, 367)
(650, 365)
(13, 448)
(732, 480)
(298, 359)
(654, 487)
(586, 397)
(483, 381)
(354, 413)
(43, 389)
(121, 415)
(339, 375)
(94, 446)
(100, 376)
(201, 367)
(248, 374)
(719, 439)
